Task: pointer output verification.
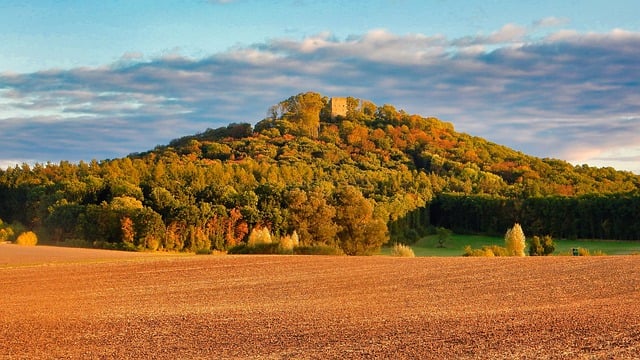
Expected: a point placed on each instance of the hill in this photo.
(350, 178)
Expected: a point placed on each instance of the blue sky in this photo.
(87, 79)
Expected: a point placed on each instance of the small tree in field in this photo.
(515, 241)
(541, 246)
(443, 236)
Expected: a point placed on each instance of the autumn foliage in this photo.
(351, 183)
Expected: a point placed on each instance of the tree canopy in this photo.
(354, 182)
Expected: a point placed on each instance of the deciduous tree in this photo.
(514, 241)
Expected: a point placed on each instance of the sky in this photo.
(83, 80)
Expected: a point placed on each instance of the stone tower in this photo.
(338, 107)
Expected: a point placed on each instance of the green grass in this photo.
(609, 247)
(428, 246)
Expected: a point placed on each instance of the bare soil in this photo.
(101, 305)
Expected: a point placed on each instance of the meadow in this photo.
(97, 304)
(428, 246)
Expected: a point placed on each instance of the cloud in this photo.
(569, 95)
(551, 21)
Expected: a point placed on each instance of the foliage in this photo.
(353, 183)
(289, 242)
(259, 236)
(443, 236)
(586, 252)
(28, 238)
(318, 250)
(76, 243)
(594, 216)
(259, 248)
(486, 251)
(402, 250)
(541, 246)
(515, 241)
(361, 232)
(6, 232)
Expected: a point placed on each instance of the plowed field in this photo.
(92, 304)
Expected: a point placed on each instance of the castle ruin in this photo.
(338, 107)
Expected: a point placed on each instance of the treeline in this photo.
(172, 203)
(615, 216)
(350, 182)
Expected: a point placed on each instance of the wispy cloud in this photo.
(551, 21)
(569, 95)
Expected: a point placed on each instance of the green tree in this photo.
(541, 246)
(303, 110)
(444, 235)
(360, 232)
(312, 217)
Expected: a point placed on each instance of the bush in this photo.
(259, 236)
(76, 243)
(583, 252)
(288, 242)
(541, 246)
(28, 238)
(6, 234)
(443, 236)
(586, 252)
(317, 250)
(486, 251)
(402, 250)
(269, 249)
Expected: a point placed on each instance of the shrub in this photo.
(6, 234)
(28, 238)
(541, 246)
(497, 250)
(9, 232)
(470, 252)
(411, 235)
(288, 242)
(586, 252)
(485, 251)
(259, 236)
(402, 250)
(317, 250)
(514, 241)
(75, 243)
(443, 236)
(269, 249)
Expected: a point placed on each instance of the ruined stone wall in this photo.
(338, 107)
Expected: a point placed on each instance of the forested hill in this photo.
(350, 181)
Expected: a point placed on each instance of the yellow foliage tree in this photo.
(514, 241)
(28, 238)
(259, 236)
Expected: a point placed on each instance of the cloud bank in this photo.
(568, 95)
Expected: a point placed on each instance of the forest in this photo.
(352, 182)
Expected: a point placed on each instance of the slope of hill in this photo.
(350, 181)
